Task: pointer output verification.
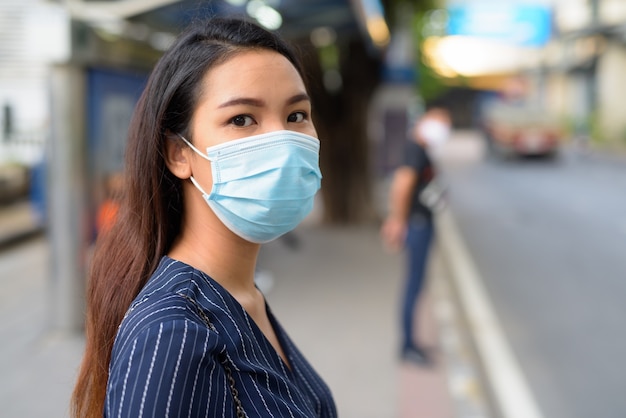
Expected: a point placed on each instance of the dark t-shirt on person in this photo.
(415, 156)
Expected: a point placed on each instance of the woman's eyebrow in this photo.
(249, 101)
(242, 101)
(302, 97)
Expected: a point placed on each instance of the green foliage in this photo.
(429, 84)
(329, 57)
(596, 132)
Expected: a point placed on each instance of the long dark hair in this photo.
(149, 218)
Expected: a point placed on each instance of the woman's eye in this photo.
(297, 117)
(242, 120)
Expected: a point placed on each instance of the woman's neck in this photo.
(225, 257)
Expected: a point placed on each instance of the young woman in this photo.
(222, 157)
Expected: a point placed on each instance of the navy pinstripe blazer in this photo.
(166, 361)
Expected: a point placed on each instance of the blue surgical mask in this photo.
(263, 185)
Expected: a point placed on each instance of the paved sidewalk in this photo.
(340, 284)
(337, 283)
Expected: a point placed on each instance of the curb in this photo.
(506, 385)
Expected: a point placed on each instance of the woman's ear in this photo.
(177, 156)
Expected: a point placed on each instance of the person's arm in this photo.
(168, 369)
(393, 231)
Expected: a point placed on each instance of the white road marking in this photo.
(513, 396)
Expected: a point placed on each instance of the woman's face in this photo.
(252, 93)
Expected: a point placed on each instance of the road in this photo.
(548, 239)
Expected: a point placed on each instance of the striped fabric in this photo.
(167, 362)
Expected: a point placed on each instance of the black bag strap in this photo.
(225, 363)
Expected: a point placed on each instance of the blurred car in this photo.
(521, 129)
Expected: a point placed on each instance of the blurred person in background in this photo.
(108, 209)
(413, 196)
(222, 156)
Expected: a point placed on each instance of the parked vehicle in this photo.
(521, 129)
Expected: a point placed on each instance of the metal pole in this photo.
(68, 221)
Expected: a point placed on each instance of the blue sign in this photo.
(525, 24)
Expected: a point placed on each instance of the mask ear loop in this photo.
(195, 183)
(197, 151)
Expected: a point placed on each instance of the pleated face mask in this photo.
(263, 185)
